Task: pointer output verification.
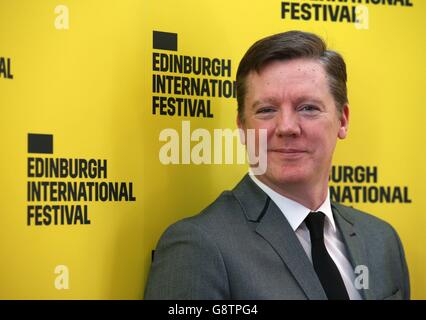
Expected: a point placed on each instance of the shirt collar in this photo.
(294, 212)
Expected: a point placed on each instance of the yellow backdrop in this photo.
(81, 73)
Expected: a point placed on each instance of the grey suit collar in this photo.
(252, 199)
(352, 237)
(275, 229)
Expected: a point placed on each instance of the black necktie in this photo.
(324, 266)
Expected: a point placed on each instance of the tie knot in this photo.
(315, 223)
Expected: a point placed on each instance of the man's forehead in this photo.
(298, 75)
(292, 68)
(295, 80)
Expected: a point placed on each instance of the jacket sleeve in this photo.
(187, 265)
(405, 279)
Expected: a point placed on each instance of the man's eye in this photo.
(309, 108)
(265, 110)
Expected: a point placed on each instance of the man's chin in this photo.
(291, 179)
(285, 178)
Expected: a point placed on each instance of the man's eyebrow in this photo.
(301, 99)
(261, 101)
(310, 99)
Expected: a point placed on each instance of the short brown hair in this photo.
(293, 45)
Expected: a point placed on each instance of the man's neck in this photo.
(310, 195)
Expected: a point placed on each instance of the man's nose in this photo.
(288, 124)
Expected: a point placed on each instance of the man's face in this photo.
(292, 101)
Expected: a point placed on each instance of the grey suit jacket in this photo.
(242, 247)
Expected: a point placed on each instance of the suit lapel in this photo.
(353, 241)
(275, 229)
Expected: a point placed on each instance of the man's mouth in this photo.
(287, 150)
(288, 153)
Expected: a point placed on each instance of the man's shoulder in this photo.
(223, 209)
(363, 219)
(234, 206)
(214, 224)
(231, 210)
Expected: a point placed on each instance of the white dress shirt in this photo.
(296, 213)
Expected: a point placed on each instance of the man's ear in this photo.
(239, 122)
(344, 122)
(240, 125)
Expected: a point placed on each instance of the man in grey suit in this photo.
(277, 235)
